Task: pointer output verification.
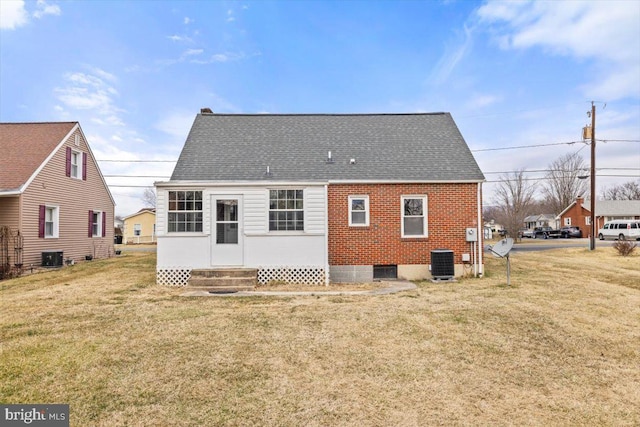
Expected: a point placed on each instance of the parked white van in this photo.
(620, 229)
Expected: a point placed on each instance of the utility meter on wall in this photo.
(472, 234)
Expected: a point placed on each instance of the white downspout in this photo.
(480, 231)
(326, 234)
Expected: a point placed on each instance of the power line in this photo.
(137, 176)
(137, 161)
(558, 170)
(527, 146)
(586, 142)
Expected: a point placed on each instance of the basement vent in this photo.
(385, 271)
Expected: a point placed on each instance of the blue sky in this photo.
(135, 73)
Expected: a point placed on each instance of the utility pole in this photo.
(592, 240)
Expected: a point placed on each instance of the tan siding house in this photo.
(140, 227)
(53, 194)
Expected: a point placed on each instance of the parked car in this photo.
(621, 229)
(545, 233)
(526, 232)
(570, 231)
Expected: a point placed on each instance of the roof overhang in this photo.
(266, 182)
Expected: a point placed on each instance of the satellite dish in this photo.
(502, 248)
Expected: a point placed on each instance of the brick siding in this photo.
(451, 208)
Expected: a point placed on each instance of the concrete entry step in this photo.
(224, 280)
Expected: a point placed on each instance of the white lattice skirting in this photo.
(179, 276)
(173, 276)
(297, 275)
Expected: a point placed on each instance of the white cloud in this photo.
(177, 38)
(230, 17)
(480, 101)
(192, 52)
(84, 91)
(451, 58)
(43, 8)
(177, 124)
(12, 14)
(606, 32)
(187, 20)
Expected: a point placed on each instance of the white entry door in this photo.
(227, 243)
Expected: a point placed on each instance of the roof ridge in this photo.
(440, 113)
(38, 123)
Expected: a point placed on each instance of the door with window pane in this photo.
(227, 239)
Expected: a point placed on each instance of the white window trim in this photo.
(137, 228)
(366, 210)
(567, 221)
(425, 214)
(79, 171)
(56, 222)
(99, 228)
(303, 210)
(178, 211)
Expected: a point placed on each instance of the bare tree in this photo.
(514, 197)
(562, 184)
(627, 191)
(149, 197)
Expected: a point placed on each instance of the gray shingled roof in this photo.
(617, 208)
(395, 147)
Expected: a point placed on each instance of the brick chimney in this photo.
(579, 201)
(206, 110)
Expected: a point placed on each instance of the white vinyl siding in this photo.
(314, 210)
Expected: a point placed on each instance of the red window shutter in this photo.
(41, 216)
(90, 234)
(84, 166)
(68, 163)
(104, 224)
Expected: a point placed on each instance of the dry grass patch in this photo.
(559, 347)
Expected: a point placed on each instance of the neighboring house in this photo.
(579, 214)
(53, 193)
(308, 197)
(491, 228)
(140, 227)
(541, 220)
(118, 227)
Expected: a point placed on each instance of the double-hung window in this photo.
(76, 164)
(286, 210)
(49, 222)
(97, 224)
(185, 211)
(358, 211)
(414, 216)
(137, 229)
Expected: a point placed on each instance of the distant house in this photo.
(140, 227)
(53, 197)
(540, 220)
(309, 198)
(579, 214)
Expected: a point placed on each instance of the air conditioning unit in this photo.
(442, 266)
(52, 259)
